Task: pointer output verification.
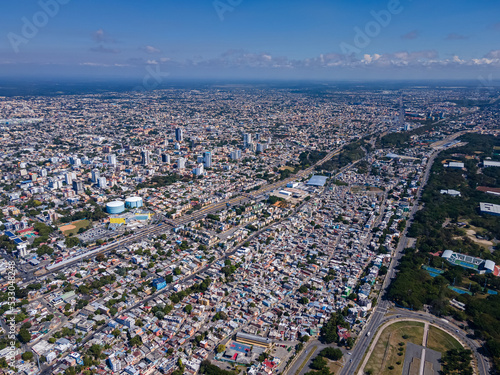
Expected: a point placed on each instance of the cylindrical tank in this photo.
(133, 202)
(115, 207)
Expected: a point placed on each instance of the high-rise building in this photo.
(198, 171)
(247, 139)
(112, 159)
(75, 161)
(178, 135)
(260, 147)
(165, 158)
(145, 154)
(53, 216)
(114, 363)
(78, 186)
(101, 182)
(68, 177)
(95, 175)
(207, 159)
(181, 163)
(235, 155)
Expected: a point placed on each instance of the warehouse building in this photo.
(491, 163)
(246, 338)
(317, 181)
(489, 208)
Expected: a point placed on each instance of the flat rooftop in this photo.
(490, 208)
(317, 181)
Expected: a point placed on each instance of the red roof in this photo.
(25, 230)
(343, 332)
(496, 272)
(269, 364)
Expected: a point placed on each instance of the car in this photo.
(350, 360)
(349, 353)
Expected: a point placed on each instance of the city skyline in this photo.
(225, 39)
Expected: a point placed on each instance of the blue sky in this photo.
(317, 39)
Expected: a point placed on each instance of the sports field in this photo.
(73, 227)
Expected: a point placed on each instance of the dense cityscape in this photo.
(248, 229)
(229, 187)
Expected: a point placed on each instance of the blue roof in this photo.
(18, 241)
(317, 181)
(9, 233)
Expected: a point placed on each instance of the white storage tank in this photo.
(133, 202)
(115, 207)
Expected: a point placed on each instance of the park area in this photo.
(388, 354)
(74, 227)
(441, 341)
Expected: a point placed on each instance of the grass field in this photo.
(334, 367)
(75, 226)
(387, 353)
(441, 341)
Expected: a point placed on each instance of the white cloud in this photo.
(494, 54)
(100, 36)
(150, 49)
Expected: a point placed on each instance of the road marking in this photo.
(422, 363)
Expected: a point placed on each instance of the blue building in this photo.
(178, 135)
(159, 283)
(133, 202)
(116, 207)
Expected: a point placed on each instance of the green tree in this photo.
(27, 356)
(24, 336)
(318, 363)
(333, 354)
